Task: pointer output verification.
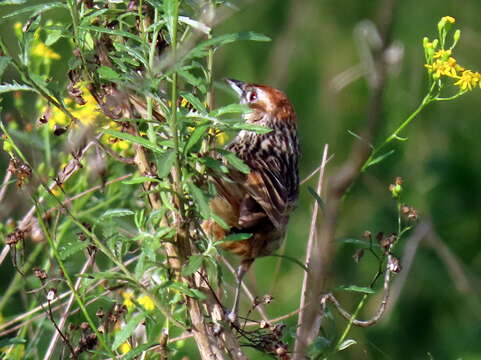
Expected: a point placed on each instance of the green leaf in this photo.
(170, 9)
(195, 138)
(12, 2)
(200, 199)
(379, 158)
(111, 32)
(34, 10)
(194, 293)
(12, 341)
(107, 73)
(71, 248)
(195, 262)
(358, 242)
(234, 237)
(346, 343)
(359, 289)
(15, 87)
(201, 50)
(294, 260)
(196, 103)
(233, 160)
(316, 196)
(220, 221)
(140, 180)
(132, 52)
(230, 109)
(251, 127)
(164, 163)
(133, 139)
(53, 36)
(4, 61)
(192, 80)
(139, 349)
(116, 213)
(125, 332)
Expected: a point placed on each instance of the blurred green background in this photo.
(438, 311)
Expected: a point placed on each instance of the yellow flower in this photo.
(146, 302)
(443, 54)
(468, 80)
(443, 67)
(128, 296)
(449, 19)
(125, 347)
(43, 51)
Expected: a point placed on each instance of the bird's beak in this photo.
(237, 85)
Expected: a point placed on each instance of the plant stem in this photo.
(395, 135)
(71, 286)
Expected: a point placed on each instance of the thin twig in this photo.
(346, 315)
(311, 259)
(260, 307)
(63, 319)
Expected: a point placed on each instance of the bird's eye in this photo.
(252, 96)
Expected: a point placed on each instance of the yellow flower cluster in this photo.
(43, 51)
(440, 61)
(145, 301)
(446, 65)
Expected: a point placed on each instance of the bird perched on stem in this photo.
(258, 203)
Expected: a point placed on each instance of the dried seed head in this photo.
(40, 274)
(393, 264)
(51, 294)
(358, 255)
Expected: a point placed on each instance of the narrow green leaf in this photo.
(170, 8)
(195, 138)
(12, 341)
(187, 291)
(220, 221)
(194, 263)
(196, 103)
(346, 343)
(53, 36)
(234, 237)
(294, 260)
(358, 242)
(111, 213)
(34, 10)
(132, 52)
(354, 288)
(12, 2)
(125, 332)
(4, 61)
(164, 163)
(233, 160)
(15, 87)
(139, 180)
(201, 49)
(379, 158)
(192, 80)
(316, 196)
(139, 349)
(230, 109)
(251, 127)
(200, 199)
(68, 249)
(110, 32)
(107, 73)
(133, 139)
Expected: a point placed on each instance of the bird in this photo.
(258, 203)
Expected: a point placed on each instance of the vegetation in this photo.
(113, 119)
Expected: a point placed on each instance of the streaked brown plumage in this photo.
(260, 202)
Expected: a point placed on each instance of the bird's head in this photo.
(266, 102)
